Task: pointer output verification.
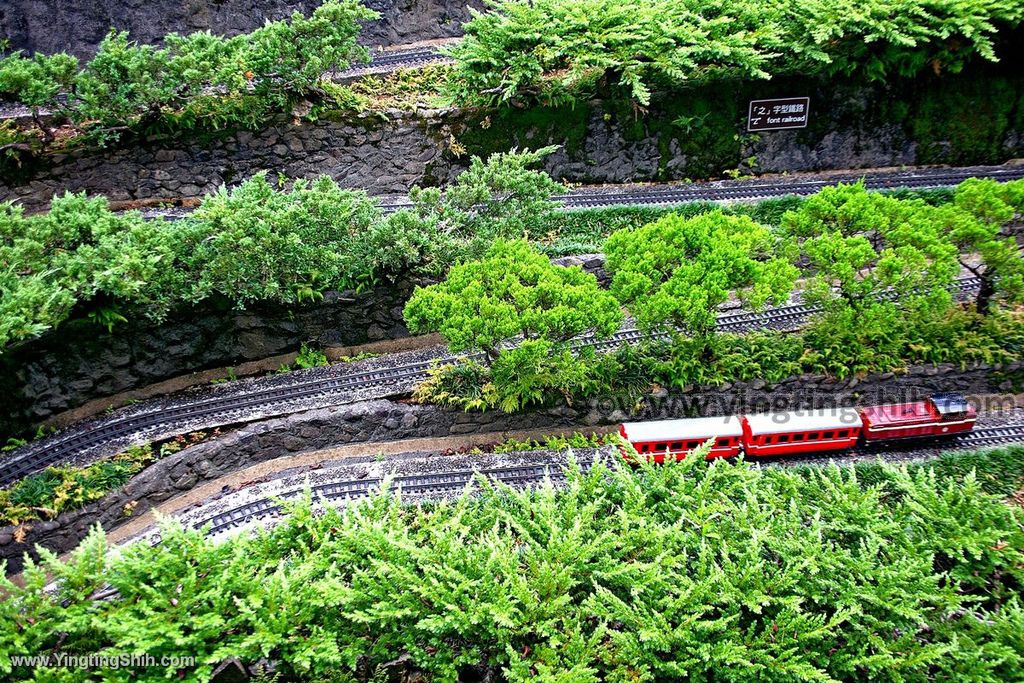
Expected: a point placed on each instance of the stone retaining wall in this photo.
(378, 421)
(81, 361)
(78, 26)
(930, 121)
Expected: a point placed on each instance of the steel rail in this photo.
(449, 484)
(221, 410)
(672, 195)
(759, 189)
(453, 483)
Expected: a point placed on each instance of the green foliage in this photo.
(310, 358)
(880, 267)
(583, 231)
(561, 51)
(465, 385)
(881, 271)
(77, 251)
(999, 471)
(191, 81)
(253, 243)
(404, 89)
(673, 274)
(559, 443)
(229, 376)
(512, 291)
(256, 242)
(689, 570)
(497, 198)
(861, 244)
(59, 489)
(515, 294)
(553, 49)
(835, 346)
(37, 80)
(982, 233)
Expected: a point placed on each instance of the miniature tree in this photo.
(863, 248)
(673, 274)
(981, 232)
(880, 269)
(520, 310)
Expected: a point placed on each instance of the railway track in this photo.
(230, 409)
(747, 190)
(420, 486)
(450, 484)
(453, 483)
(723, 191)
(396, 59)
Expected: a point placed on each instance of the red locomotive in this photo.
(802, 431)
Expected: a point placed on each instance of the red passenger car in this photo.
(941, 415)
(801, 431)
(679, 437)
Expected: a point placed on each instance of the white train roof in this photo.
(804, 420)
(701, 428)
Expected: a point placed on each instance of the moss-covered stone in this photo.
(699, 131)
(965, 120)
(526, 128)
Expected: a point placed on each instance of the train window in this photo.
(722, 442)
(827, 435)
(677, 445)
(798, 437)
(842, 433)
(783, 438)
(812, 436)
(690, 445)
(645, 448)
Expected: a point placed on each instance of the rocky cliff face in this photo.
(82, 361)
(933, 121)
(78, 26)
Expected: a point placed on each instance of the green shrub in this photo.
(501, 197)
(37, 80)
(999, 471)
(465, 385)
(520, 311)
(199, 80)
(255, 242)
(310, 358)
(561, 51)
(559, 443)
(674, 274)
(59, 489)
(690, 570)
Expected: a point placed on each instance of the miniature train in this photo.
(806, 431)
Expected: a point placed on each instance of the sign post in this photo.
(780, 114)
